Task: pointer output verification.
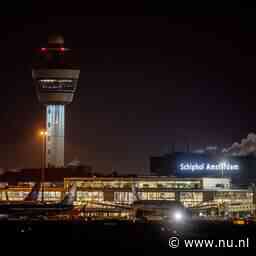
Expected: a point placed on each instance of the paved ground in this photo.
(121, 234)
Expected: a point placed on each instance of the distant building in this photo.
(52, 175)
(242, 170)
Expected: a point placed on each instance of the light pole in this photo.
(43, 135)
(253, 199)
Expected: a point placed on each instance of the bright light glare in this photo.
(178, 216)
(43, 133)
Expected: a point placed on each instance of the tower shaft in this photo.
(55, 123)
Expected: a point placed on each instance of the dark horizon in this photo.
(146, 84)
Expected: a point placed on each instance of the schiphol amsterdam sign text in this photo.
(222, 166)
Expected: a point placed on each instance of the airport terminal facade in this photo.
(200, 181)
(99, 195)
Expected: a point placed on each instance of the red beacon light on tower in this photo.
(62, 49)
(43, 49)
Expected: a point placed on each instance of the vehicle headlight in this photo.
(178, 216)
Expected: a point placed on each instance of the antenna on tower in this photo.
(187, 145)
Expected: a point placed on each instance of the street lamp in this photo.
(253, 189)
(43, 134)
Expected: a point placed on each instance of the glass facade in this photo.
(18, 193)
(123, 197)
(191, 199)
(191, 192)
(3, 196)
(48, 85)
(50, 196)
(236, 197)
(106, 193)
(83, 196)
(142, 184)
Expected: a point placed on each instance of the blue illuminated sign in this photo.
(202, 165)
(222, 166)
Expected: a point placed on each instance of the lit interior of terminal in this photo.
(102, 195)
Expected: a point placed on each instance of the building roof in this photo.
(51, 174)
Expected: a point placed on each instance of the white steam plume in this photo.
(246, 147)
(74, 163)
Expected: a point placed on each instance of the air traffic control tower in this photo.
(55, 75)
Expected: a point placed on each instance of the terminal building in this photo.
(100, 196)
(240, 169)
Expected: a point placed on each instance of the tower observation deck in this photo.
(55, 75)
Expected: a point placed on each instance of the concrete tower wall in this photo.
(55, 123)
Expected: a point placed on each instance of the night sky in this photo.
(146, 84)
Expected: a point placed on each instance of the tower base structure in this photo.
(55, 123)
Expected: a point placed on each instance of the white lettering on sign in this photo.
(223, 166)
